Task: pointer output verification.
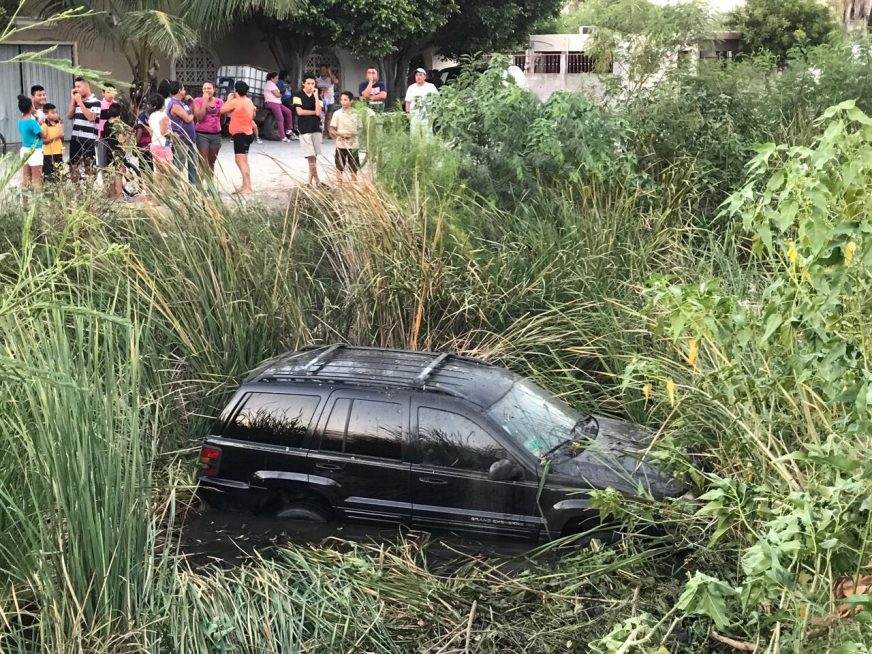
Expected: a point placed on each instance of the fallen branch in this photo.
(738, 645)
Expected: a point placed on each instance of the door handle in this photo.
(432, 481)
(327, 466)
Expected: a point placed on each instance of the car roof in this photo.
(368, 367)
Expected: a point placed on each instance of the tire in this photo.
(270, 128)
(2, 145)
(302, 508)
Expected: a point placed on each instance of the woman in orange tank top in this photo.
(241, 110)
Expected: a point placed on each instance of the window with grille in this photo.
(520, 60)
(195, 67)
(578, 62)
(547, 62)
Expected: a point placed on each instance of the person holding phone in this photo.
(207, 115)
(242, 129)
(84, 111)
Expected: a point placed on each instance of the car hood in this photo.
(615, 458)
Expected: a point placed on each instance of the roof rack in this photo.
(321, 360)
(427, 372)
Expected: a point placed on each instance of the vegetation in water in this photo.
(703, 271)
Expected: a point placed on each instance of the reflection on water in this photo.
(229, 538)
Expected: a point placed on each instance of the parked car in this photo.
(434, 441)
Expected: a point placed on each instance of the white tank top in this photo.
(154, 121)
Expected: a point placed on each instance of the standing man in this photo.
(417, 104)
(373, 90)
(37, 96)
(181, 117)
(327, 81)
(105, 103)
(84, 111)
(307, 107)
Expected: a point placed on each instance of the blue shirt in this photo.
(31, 133)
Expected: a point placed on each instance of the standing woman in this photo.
(31, 145)
(207, 114)
(181, 117)
(159, 126)
(241, 110)
(272, 97)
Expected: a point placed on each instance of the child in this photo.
(345, 127)
(325, 107)
(114, 136)
(143, 139)
(108, 97)
(159, 125)
(52, 143)
(31, 145)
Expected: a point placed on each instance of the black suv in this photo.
(434, 441)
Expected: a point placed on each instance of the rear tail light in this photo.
(210, 459)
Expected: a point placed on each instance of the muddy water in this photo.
(229, 538)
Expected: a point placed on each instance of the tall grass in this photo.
(124, 329)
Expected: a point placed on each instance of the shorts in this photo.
(161, 153)
(241, 143)
(310, 144)
(33, 159)
(346, 158)
(83, 152)
(205, 140)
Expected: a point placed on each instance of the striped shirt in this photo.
(84, 129)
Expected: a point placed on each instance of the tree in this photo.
(643, 36)
(394, 31)
(854, 11)
(779, 26)
(145, 30)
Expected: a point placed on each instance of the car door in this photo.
(361, 453)
(451, 484)
(265, 435)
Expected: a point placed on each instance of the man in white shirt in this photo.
(417, 105)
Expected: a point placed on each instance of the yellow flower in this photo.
(792, 254)
(646, 390)
(693, 352)
(849, 251)
(670, 392)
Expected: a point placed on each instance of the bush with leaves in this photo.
(779, 26)
(775, 380)
(513, 143)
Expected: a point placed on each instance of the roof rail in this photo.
(427, 372)
(321, 360)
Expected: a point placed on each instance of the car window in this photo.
(273, 418)
(450, 440)
(365, 428)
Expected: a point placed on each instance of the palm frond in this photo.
(212, 15)
(164, 32)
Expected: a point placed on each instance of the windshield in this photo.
(533, 418)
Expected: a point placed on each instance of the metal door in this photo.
(19, 77)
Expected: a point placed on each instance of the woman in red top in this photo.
(241, 110)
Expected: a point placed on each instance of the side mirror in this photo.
(505, 470)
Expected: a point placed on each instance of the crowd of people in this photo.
(173, 133)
